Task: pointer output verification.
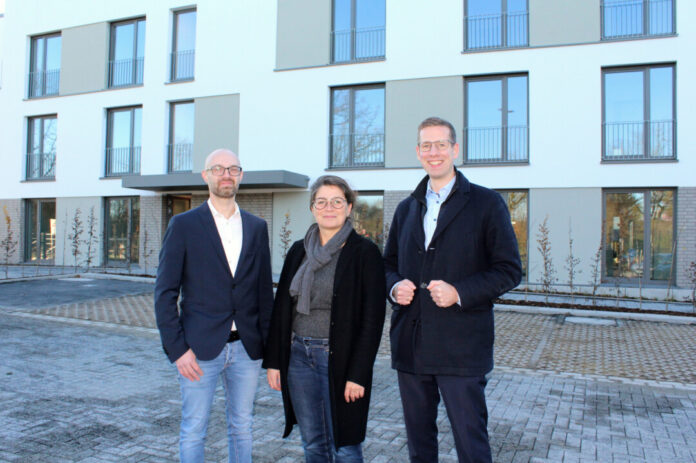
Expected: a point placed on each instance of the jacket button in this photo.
(332, 324)
(330, 352)
(234, 285)
(234, 311)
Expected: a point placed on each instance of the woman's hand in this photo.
(273, 376)
(353, 391)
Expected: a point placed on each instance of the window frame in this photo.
(134, 57)
(353, 31)
(171, 145)
(28, 214)
(134, 151)
(31, 93)
(645, 25)
(107, 236)
(29, 144)
(504, 30)
(504, 192)
(175, 46)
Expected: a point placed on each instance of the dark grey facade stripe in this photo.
(253, 180)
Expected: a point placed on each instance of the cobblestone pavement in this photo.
(88, 382)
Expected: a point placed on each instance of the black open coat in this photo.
(357, 317)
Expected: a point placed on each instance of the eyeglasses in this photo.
(336, 203)
(219, 171)
(439, 145)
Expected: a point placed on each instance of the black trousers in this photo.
(465, 402)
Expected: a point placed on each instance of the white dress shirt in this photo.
(230, 231)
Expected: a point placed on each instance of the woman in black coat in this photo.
(326, 328)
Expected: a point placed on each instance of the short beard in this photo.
(224, 193)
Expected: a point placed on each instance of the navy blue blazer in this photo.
(192, 261)
(474, 249)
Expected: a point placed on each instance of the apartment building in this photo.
(578, 112)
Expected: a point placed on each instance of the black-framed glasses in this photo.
(438, 145)
(336, 203)
(219, 171)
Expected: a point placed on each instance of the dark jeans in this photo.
(308, 384)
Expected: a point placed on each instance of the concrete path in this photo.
(87, 381)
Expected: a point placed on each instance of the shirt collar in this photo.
(218, 215)
(444, 191)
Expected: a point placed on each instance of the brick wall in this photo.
(686, 234)
(15, 212)
(259, 204)
(152, 221)
(391, 200)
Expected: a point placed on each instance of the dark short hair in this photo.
(332, 180)
(438, 122)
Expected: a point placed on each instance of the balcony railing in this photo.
(41, 166)
(122, 161)
(182, 64)
(498, 145)
(357, 150)
(641, 140)
(180, 157)
(637, 18)
(507, 30)
(126, 72)
(358, 44)
(44, 83)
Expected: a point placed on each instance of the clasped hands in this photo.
(442, 293)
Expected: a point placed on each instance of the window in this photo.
(518, 206)
(496, 118)
(637, 18)
(496, 24)
(639, 229)
(368, 217)
(357, 126)
(181, 136)
(44, 73)
(41, 148)
(40, 239)
(183, 45)
(123, 141)
(126, 58)
(122, 230)
(358, 30)
(639, 117)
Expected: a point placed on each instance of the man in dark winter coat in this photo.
(451, 251)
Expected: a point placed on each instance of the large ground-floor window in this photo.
(518, 206)
(40, 236)
(122, 230)
(368, 217)
(639, 234)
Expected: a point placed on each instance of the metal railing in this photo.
(41, 166)
(182, 64)
(126, 72)
(639, 140)
(357, 150)
(637, 18)
(122, 161)
(358, 44)
(180, 157)
(496, 144)
(44, 83)
(506, 30)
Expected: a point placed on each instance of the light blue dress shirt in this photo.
(434, 201)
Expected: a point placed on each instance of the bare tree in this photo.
(76, 230)
(571, 263)
(691, 275)
(9, 243)
(92, 236)
(147, 249)
(285, 235)
(548, 275)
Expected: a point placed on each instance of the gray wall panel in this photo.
(216, 125)
(570, 21)
(303, 35)
(84, 56)
(408, 102)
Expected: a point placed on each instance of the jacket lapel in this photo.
(210, 228)
(247, 234)
(457, 200)
(345, 253)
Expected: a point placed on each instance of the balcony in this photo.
(126, 72)
(623, 19)
(507, 30)
(180, 157)
(354, 45)
(639, 141)
(357, 150)
(41, 166)
(44, 83)
(182, 65)
(122, 161)
(496, 145)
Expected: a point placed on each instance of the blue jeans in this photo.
(308, 384)
(240, 377)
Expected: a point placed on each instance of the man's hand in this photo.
(188, 367)
(353, 391)
(443, 294)
(404, 291)
(273, 377)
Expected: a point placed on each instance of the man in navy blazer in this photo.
(451, 251)
(215, 262)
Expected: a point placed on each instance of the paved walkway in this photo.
(88, 382)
